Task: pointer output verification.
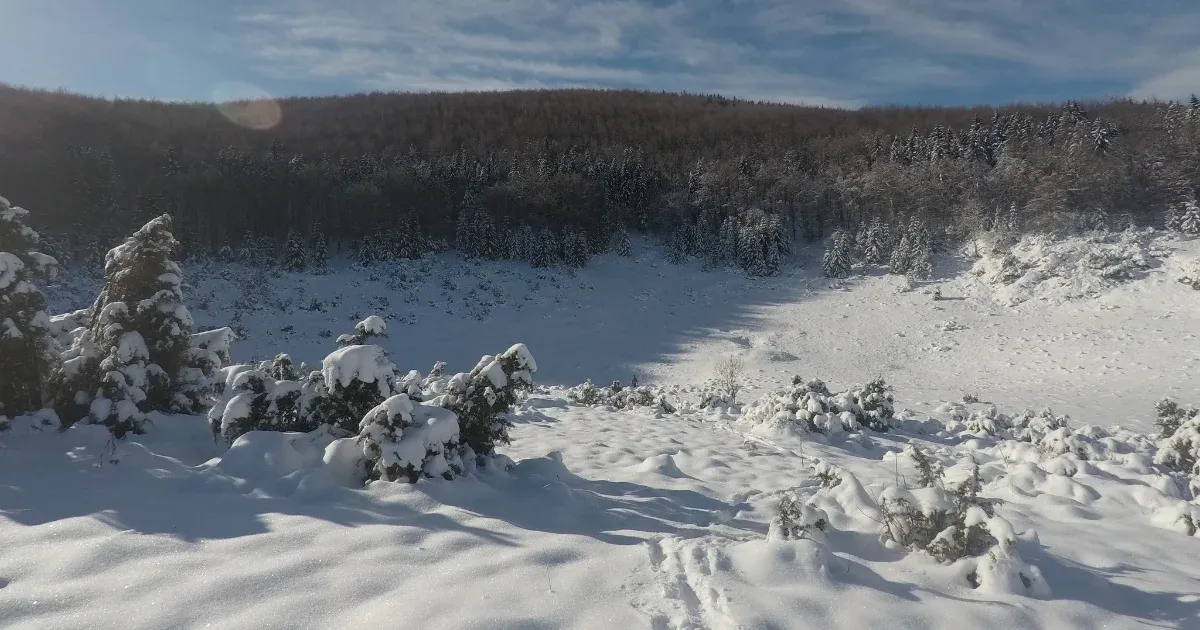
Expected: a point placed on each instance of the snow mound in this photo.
(1041, 267)
(662, 464)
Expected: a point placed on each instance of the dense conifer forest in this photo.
(553, 177)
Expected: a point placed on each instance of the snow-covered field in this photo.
(631, 518)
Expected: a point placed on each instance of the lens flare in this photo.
(247, 105)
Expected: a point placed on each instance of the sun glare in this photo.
(247, 105)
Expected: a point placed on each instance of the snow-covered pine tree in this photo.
(623, 246)
(482, 398)
(295, 254)
(474, 232)
(575, 248)
(124, 374)
(319, 248)
(729, 240)
(1186, 218)
(778, 244)
(875, 248)
(544, 249)
(142, 295)
(921, 263)
(901, 259)
(836, 261)
(677, 250)
(27, 354)
(860, 240)
(523, 243)
(246, 252)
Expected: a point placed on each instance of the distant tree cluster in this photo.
(554, 177)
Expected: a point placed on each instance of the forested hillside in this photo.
(554, 176)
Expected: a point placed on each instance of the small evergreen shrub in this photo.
(810, 406)
(405, 441)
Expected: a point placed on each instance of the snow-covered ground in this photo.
(631, 518)
(1101, 359)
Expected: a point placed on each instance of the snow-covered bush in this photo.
(1169, 416)
(1180, 451)
(947, 524)
(355, 379)
(797, 520)
(1189, 273)
(810, 406)
(1001, 570)
(1027, 426)
(616, 396)
(483, 397)
(27, 354)
(405, 440)
(829, 475)
(586, 394)
(728, 376)
(264, 398)
(929, 471)
(364, 331)
(1040, 266)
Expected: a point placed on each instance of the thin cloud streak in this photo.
(830, 52)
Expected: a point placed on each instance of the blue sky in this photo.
(835, 52)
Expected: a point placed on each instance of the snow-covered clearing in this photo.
(1101, 359)
(631, 518)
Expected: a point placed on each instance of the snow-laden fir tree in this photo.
(544, 250)
(860, 240)
(836, 261)
(26, 348)
(729, 240)
(874, 249)
(1185, 218)
(474, 232)
(295, 253)
(677, 249)
(575, 248)
(319, 248)
(124, 374)
(921, 262)
(623, 246)
(900, 260)
(142, 295)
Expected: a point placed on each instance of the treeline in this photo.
(556, 176)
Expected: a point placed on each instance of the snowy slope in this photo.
(1100, 359)
(630, 518)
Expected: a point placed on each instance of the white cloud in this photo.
(835, 52)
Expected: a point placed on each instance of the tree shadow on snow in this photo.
(156, 495)
(1073, 581)
(542, 495)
